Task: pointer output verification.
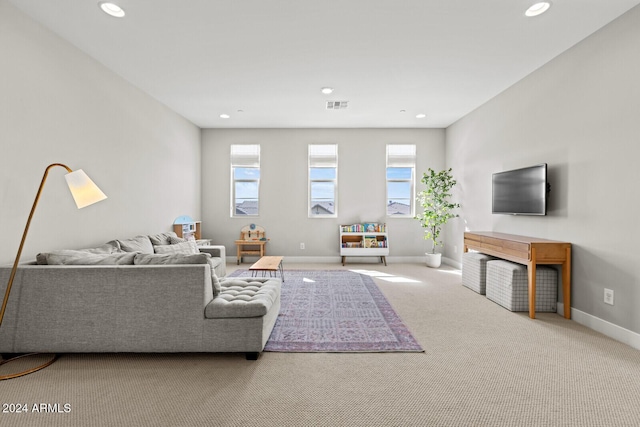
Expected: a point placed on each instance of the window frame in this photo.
(322, 158)
(401, 156)
(244, 156)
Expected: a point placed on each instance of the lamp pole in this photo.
(24, 237)
(84, 192)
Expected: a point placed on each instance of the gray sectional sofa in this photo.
(123, 298)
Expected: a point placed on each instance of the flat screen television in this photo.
(520, 191)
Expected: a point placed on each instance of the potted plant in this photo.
(437, 209)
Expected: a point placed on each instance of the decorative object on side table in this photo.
(85, 192)
(437, 209)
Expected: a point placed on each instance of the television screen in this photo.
(520, 191)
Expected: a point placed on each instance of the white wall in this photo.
(59, 105)
(580, 114)
(283, 187)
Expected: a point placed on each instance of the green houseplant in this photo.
(437, 208)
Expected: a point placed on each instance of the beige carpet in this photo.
(483, 366)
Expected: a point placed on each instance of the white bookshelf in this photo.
(355, 240)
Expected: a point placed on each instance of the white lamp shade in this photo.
(84, 191)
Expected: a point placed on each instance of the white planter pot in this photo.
(433, 260)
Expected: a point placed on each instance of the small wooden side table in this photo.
(250, 247)
(272, 264)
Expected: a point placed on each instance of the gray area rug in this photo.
(336, 311)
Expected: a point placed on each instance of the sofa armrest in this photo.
(218, 251)
(214, 250)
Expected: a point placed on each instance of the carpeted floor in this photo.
(482, 366)
(335, 311)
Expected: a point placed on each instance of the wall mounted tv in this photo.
(520, 191)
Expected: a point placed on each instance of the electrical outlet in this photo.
(455, 249)
(301, 245)
(608, 296)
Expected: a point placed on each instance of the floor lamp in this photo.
(85, 193)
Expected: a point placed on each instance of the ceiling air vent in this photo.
(337, 105)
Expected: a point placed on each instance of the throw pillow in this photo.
(137, 244)
(176, 239)
(185, 248)
(162, 238)
(84, 258)
(114, 243)
(200, 258)
(41, 258)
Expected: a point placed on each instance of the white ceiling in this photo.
(269, 58)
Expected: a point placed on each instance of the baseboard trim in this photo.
(452, 263)
(609, 329)
(314, 259)
(338, 259)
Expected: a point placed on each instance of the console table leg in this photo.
(532, 284)
(566, 284)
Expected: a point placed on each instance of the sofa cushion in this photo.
(69, 257)
(162, 238)
(244, 297)
(163, 259)
(137, 244)
(107, 248)
(185, 248)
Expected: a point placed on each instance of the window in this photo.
(401, 164)
(245, 180)
(323, 180)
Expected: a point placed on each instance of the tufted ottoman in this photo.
(246, 308)
(508, 285)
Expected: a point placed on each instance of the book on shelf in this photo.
(367, 227)
(370, 242)
(370, 227)
(351, 244)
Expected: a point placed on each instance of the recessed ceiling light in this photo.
(327, 90)
(111, 9)
(538, 8)
(421, 116)
(224, 116)
(403, 111)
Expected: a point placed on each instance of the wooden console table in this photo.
(529, 251)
